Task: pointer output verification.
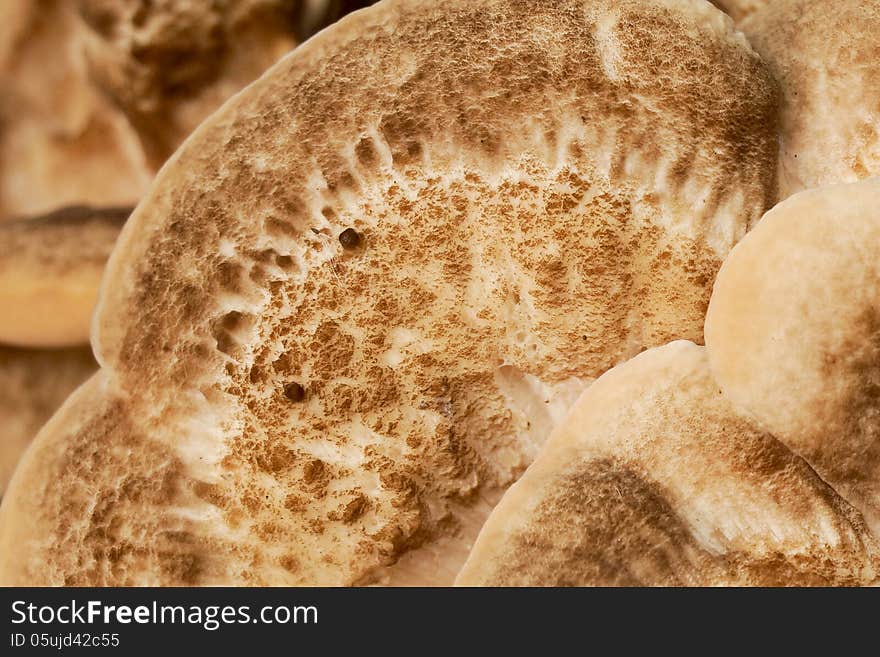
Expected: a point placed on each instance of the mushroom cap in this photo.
(824, 55)
(532, 207)
(793, 332)
(61, 141)
(654, 479)
(96, 94)
(50, 271)
(34, 383)
(169, 64)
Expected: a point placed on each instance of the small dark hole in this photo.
(349, 238)
(294, 392)
(284, 261)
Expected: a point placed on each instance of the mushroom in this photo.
(824, 55)
(61, 141)
(793, 333)
(34, 383)
(536, 210)
(168, 65)
(50, 269)
(96, 94)
(654, 479)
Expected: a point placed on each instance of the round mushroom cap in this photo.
(824, 55)
(61, 141)
(33, 385)
(280, 404)
(793, 333)
(50, 271)
(655, 480)
(740, 9)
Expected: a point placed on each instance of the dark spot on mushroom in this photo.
(349, 238)
(294, 392)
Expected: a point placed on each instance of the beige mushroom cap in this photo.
(33, 384)
(793, 333)
(50, 271)
(824, 55)
(357, 299)
(653, 479)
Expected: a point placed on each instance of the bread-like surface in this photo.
(33, 384)
(50, 270)
(824, 55)
(653, 479)
(61, 141)
(740, 9)
(793, 332)
(359, 297)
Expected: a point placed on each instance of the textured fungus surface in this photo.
(539, 190)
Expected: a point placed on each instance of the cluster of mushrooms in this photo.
(473, 292)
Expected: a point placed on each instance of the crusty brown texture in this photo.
(740, 9)
(33, 384)
(50, 270)
(532, 205)
(826, 57)
(61, 141)
(654, 480)
(793, 333)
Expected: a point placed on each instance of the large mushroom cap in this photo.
(824, 55)
(359, 296)
(653, 479)
(50, 270)
(33, 384)
(793, 333)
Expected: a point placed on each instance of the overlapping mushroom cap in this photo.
(359, 297)
(824, 55)
(34, 383)
(793, 333)
(168, 64)
(61, 141)
(50, 270)
(96, 94)
(654, 479)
